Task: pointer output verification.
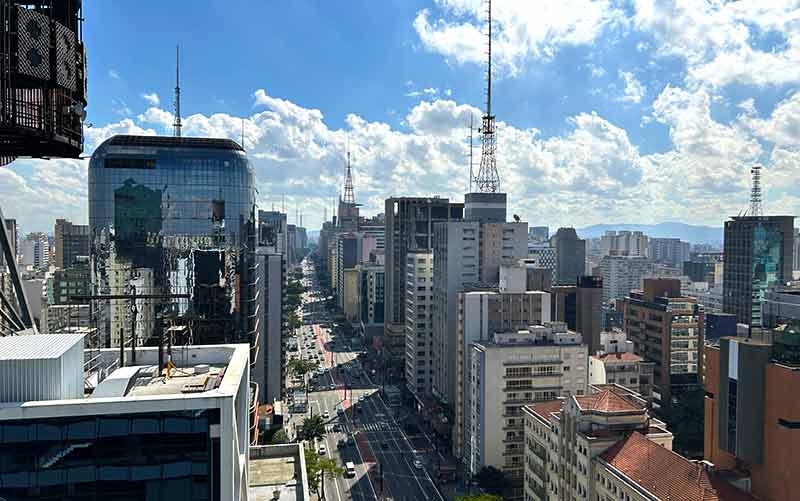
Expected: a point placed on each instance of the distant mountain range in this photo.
(687, 232)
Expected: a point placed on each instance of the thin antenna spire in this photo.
(488, 179)
(243, 132)
(471, 148)
(176, 125)
(283, 203)
(755, 192)
(349, 196)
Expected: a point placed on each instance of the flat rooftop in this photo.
(181, 380)
(277, 468)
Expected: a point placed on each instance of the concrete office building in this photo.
(136, 435)
(371, 289)
(419, 322)
(71, 241)
(291, 244)
(543, 256)
(622, 274)
(56, 318)
(751, 412)
(514, 369)
(796, 251)
(480, 315)
(758, 253)
(465, 253)
(272, 231)
(668, 329)
(626, 369)
(350, 292)
(63, 284)
(570, 256)
(624, 243)
(581, 308)
(35, 251)
(781, 305)
(565, 441)
(671, 251)
(271, 361)
(409, 226)
(539, 233)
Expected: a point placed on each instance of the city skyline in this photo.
(599, 112)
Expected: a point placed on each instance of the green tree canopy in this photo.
(313, 428)
(316, 468)
(492, 480)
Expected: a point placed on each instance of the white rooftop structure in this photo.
(41, 367)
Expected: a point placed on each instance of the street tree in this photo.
(299, 368)
(492, 480)
(313, 428)
(316, 468)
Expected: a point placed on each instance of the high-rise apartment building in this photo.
(543, 256)
(481, 314)
(758, 253)
(589, 310)
(419, 322)
(63, 284)
(598, 445)
(796, 249)
(271, 359)
(667, 329)
(624, 243)
(465, 253)
(272, 231)
(409, 226)
(622, 274)
(511, 370)
(35, 251)
(751, 412)
(71, 241)
(136, 435)
(174, 215)
(570, 256)
(371, 289)
(671, 251)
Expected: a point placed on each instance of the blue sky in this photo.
(636, 111)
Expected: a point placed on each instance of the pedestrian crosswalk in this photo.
(380, 426)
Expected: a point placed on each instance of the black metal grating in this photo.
(171, 141)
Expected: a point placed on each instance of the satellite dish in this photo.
(516, 218)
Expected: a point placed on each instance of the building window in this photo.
(732, 389)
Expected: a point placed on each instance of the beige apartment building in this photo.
(510, 371)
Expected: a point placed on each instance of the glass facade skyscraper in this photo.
(171, 216)
(758, 254)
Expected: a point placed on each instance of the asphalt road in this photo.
(383, 455)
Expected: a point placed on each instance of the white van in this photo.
(350, 469)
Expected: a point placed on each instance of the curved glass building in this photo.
(173, 216)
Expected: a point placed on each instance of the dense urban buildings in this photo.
(671, 251)
(624, 243)
(758, 252)
(174, 216)
(71, 241)
(622, 274)
(510, 370)
(409, 226)
(667, 329)
(752, 413)
(419, 322)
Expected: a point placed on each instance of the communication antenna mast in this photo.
(349, 196)
(755, 191)
(471, 148)
(488, 179)
(176, 125)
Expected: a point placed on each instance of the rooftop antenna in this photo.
(755, 192)
(176, 125)
(349, 196)
(471, 148)
(488, 179)
(243, 133)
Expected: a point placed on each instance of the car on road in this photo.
(325, 415)
(384, 445)
(350, 469)
(339, 411)
(350, 441)
(341, 444)
(332, 387)
(418, 464)
(322, 450)
(337, 427)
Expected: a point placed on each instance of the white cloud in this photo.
(448, 92)
(748, 106)
(521, 30)
(720, 40)
(96, 135)
(634, 89)
(597, 71)
(114, 74)
(151, 98)
(782, 128)
(441, 117)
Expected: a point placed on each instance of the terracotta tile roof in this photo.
(666, 474)
(620, 356)
(606, 401)
(544, 409)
